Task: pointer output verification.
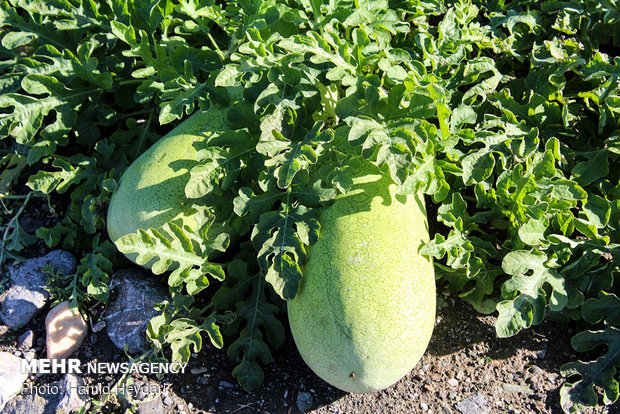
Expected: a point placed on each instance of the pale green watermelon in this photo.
(365, 310)
(152, 190)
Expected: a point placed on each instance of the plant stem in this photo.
(10, 224)
(217, 49)
(141, 141)
(129, 82)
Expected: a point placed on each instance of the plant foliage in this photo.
(506, 114)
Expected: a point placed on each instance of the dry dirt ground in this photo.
(466, 369)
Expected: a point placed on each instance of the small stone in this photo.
(151, 406)
(25, 340)
(453, 382)
(225, 384)
(474, 404)
(198, 370)
(11, 377)
(424, 406)
(98, 327)
(168, 400)
(304, 401)
(65, 331)
(29, 354)
(536, 370)
(517, 389)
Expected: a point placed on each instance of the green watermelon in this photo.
(365, 309)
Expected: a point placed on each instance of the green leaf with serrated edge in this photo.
(526, 299)
(61, 181)
(95, 270)
(605, 308)
(280, 245)
(289, 157)
(576, 395)
(533, 232)
(184, 338)
(172, 248)
(26, 117)
(598, 210)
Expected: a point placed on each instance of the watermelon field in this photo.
(355, 206)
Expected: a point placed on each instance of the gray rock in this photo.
(517, 389)
(68, 395)
(144, 397)
(98, 327)
(474, 404)
(30, 403)
(134, 295)
(73, 394)
(29, 354)
(152, 405)
(304, 401)
(168, 400)
(198, 370)
(25, 340)
(11, 377)
(27, 294)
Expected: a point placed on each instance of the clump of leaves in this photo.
(505, 115)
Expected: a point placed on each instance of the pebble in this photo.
(29, 354)
(424, 406)
(99, 326)
(225, 384)
(453, 382)
(25, 340)
(168, 400)
(474, 404)
(517, 389)
(198, 370)
(304, 401)
(536, 370)
(11, 377)
(65, 331)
